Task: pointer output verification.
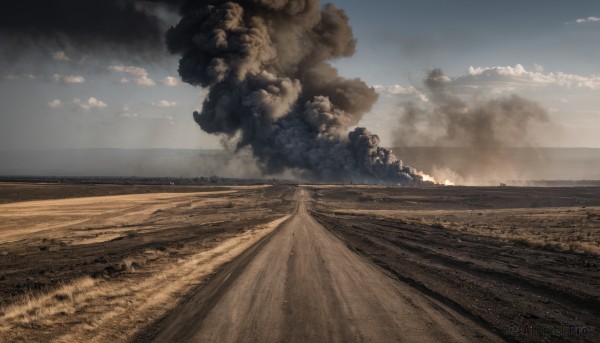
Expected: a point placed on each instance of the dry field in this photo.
(563, 219)
(100, 263)
(84, 266)
(508, 257)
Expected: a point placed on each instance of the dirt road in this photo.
(304, 284)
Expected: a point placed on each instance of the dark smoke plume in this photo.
(263, 61)
(86, 26)
(271, 88)
(484, 128)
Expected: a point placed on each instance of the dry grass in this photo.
(35, 310)
(23, 220)
(99, 310)
(574, 229)
(561, 229)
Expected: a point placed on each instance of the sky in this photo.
(56, 96)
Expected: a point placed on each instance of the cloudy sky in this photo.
(77, 96)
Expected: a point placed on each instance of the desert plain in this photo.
(288, 262)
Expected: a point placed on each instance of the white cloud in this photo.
(585, 20)
(165, 104)
(518, 76)
(398, 90)
(129, 114)
(91, 103)
(126, 112)
(497, 80)
(140, 74)
(168, 118)
(144, 81)
(23, 76)
(170, 81)
(68, 78)
(136, 71)
(61, 56)
(393, 89)
(55, 104)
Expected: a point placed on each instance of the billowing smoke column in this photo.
(271, 88)
(263, 61)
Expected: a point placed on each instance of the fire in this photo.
(429, 178)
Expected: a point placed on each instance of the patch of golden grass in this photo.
(21, 220)
(100, 310)
(573, 229)
(36, 309)
(582, 239)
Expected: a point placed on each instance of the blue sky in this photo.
(548, 51)
(400, 38)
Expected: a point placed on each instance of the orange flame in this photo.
(429, 178)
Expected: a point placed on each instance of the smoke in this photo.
(271, 88)
(264, 62)
(486, 128)
(119, 27)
